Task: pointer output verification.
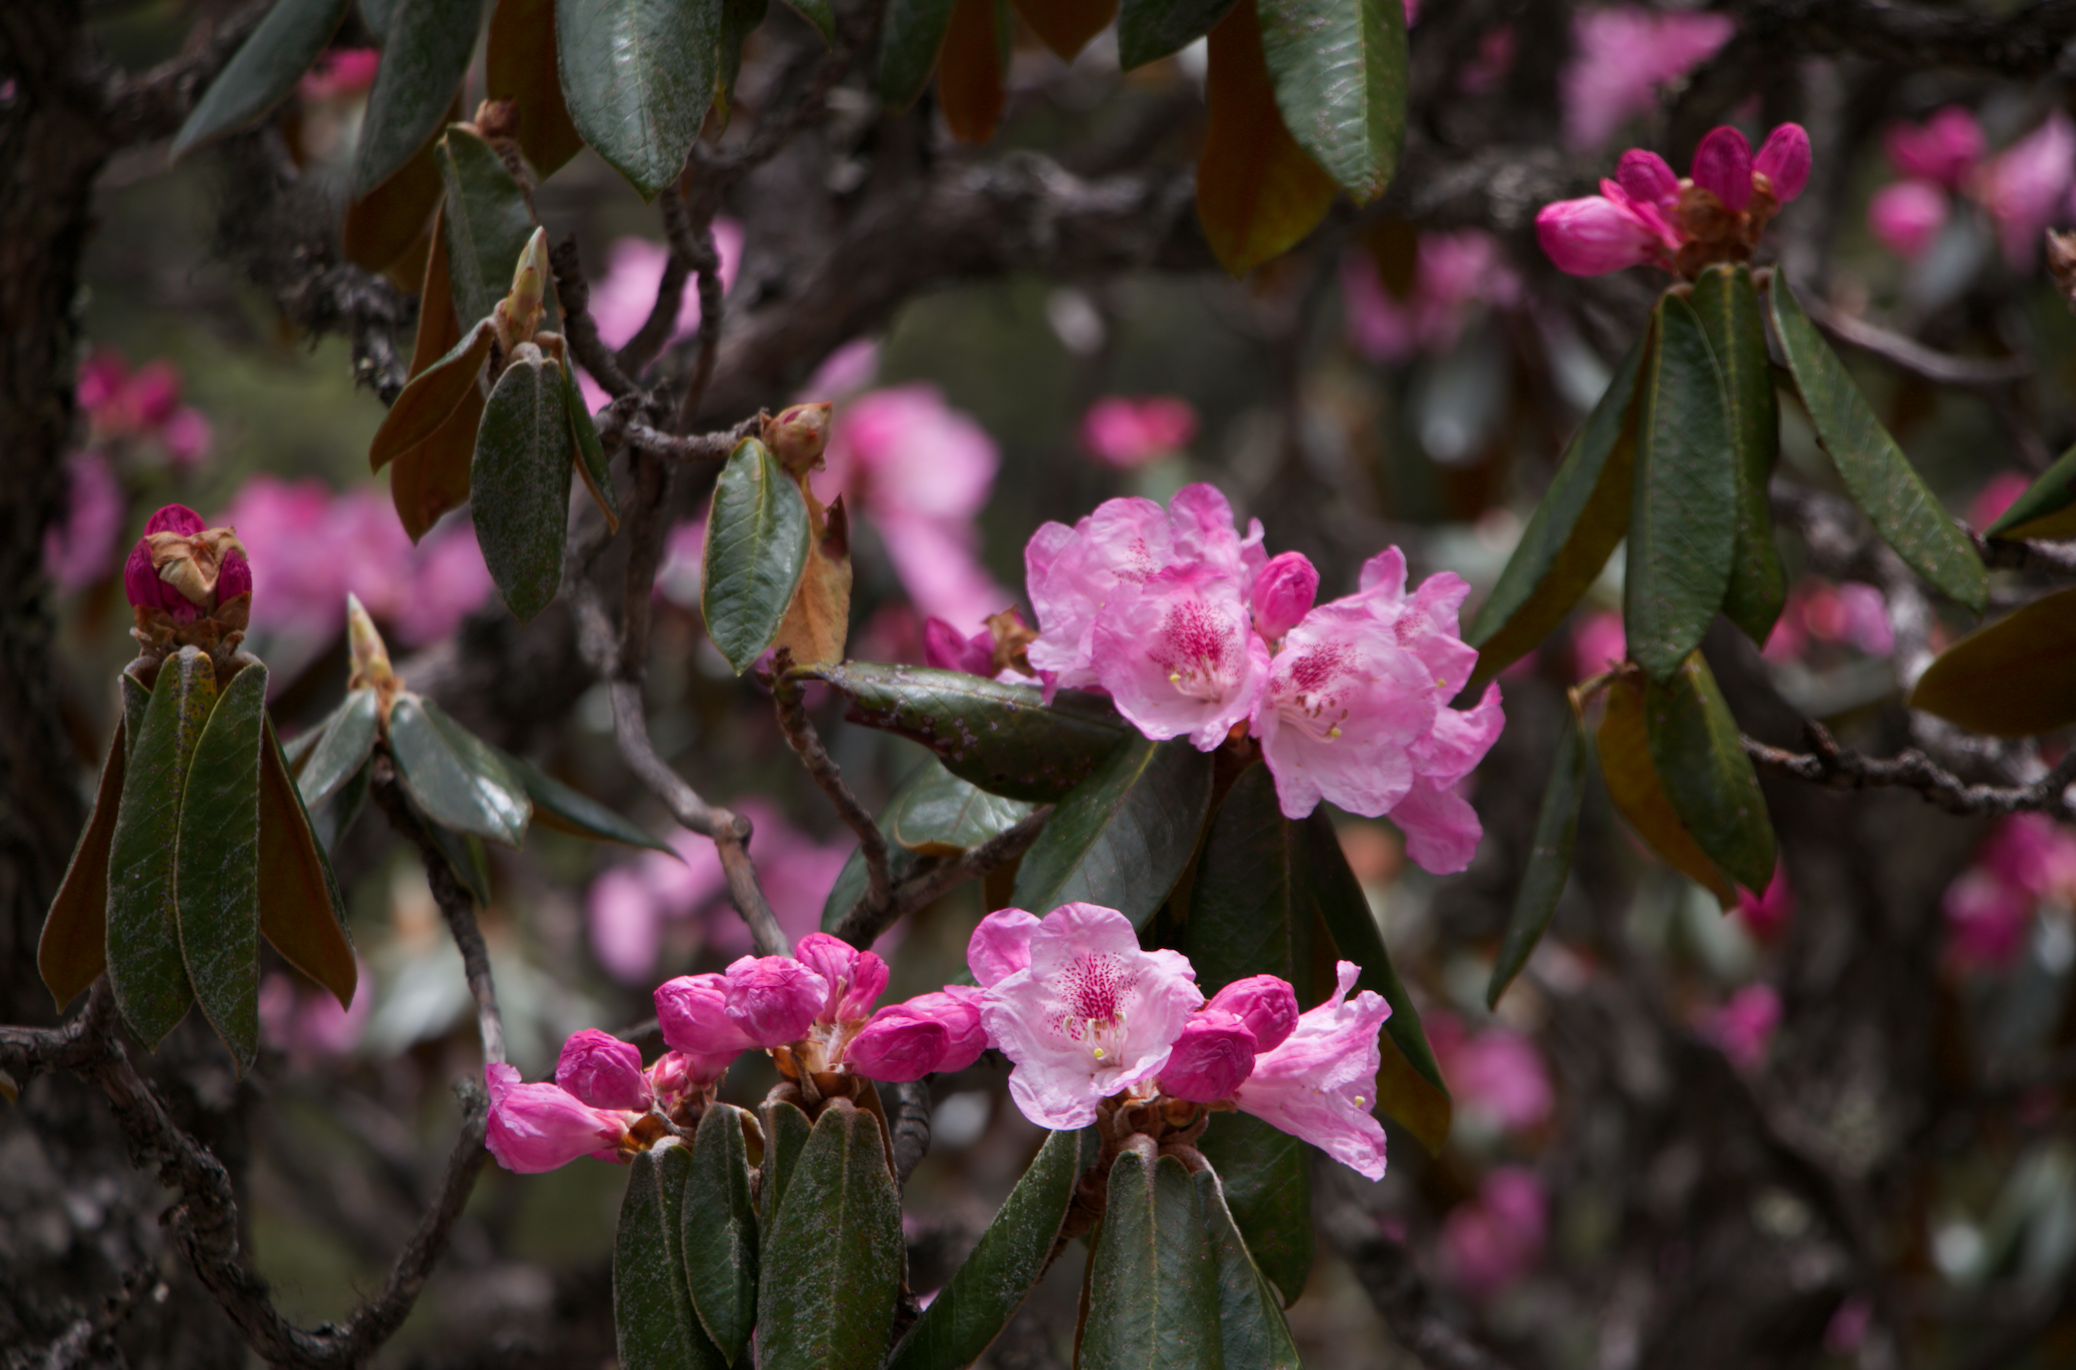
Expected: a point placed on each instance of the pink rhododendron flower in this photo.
(1089, 1016)
(1284, 592)
(1645, 215)
(2031, 852)
(125, 407)
(1906, 216)
(339, 74)
(1179, 655)
(535, 1128)
(1321, 1083)
(1001, 946)
(936, 1032)
(1743, 1027)
(1492, 1240)
(307, 1022)
(1210, 1059)
(774, 1000)
(1598, 643)
(1999, 493)
(81, 548)
(1766, 914)
(1495, 1074)
(1356, 712)
(603, 1071)
(855, 978)
(1454, 272)
(1621, 56)
(1265, 1003)
(948, 649)
(2023, 186)
(1126, 432)
(1945, 149)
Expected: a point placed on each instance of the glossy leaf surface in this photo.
(487, 223)
(1266, 1175)
(1727, 303)
(1624, 747)
(591, 458)
(1581, 518)
(1153, 1277)
(1683, 500)
(1880, 478)
(1151, 29)
(302, 915)
(756, 551)
(652, 1307)
(216, 872)
(1122, 837)
(73, 950)
(720, 1232)
(557, 806)
(457, 779)
(145, 968)
(2013, 678)
(1258, 191)
(1549, 859)
(1001, 737)
(987, 1289)
(639, 76)
(342, 748)
(832, 1264)
(934, 813)
(1699, 756)
(519, 65)
(264, 70)
(1250, 1315)
(1251, 901)
(910, 38)
(1339, 72)
(519, 482)
(423, 60)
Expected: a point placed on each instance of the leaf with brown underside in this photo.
(818, 621)
(971, 81)
(1066, 26)
(519, 65)
(1258, 192)
(439, 329)
(1624, 748)
(74, 948)
(382, 225)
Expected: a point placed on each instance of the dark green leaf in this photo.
(1728, 306)
(1001, 737)
(301, 912)
(821, 14)
(2014, 678)
(424, 57)
(1267, 1177)
(739, 19)
(378, 14)
(591, 457)
(2034, 513)
(720, 1232)
(1122, 837)
(756, 550)
(467, 858)
(1153, 1277)
(216, 871)
(265, 70)
(1623, 748)
(1583, 515)
(785, 1133)
(1149, 29)
(519, 482)
(458, 780)
(1339, 68)
(652, 1308)
(557, 806)
(333, 819)
(985, 1292)
(487, 223)
(1880, 478)
(1549, 859)
(831, 1263)
(342, 748)
(1410, 1088)
(1682, 523)
(1250, 1318)
(136, 699)
(145, 968)
(1250, 906)
(73, 950)
(1699, 756)
(934, 813)
(910, 39)
(639, 76)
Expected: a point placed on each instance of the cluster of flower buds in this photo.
(1648, 215)
(1091, 1022)
(1196, 631)
(189, 584)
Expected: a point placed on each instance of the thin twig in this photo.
(656, 330)
(573, 294)
(700, 447)
(911, 1128)
(1826, 763)
(693, 238)
(2057, 558)
(865, 921)
(791, 702)
(1908, 354)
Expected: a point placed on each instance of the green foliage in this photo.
(757, 541)
(1250, 1320)
(519, 482)
(2014, 678)
(652, 1305)
(487, 222)
(1549, 859)
(1151, 29)
(934, 813)
(832, 1263)
(216, 872)
(337, 749)
(911, 36)
(720, 1232)
(1266, 1178)
(639, 77)
(454, 776)
(785, 1133)
(2043, 511)
(1700, 759)
(1251, 907)
(423, 61)
(1727, 304)
(264, 71)
(1153, 1277)
(1339, 69)
(1123, 836)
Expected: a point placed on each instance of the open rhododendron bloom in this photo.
(1321, 1083)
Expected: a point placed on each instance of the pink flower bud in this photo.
(948, 649)
(1283, 594)
(1212, 1058)
(1907, 216)
(1593, 236)
(1723, 167)
(1265, 1003)
(678, 1075)
(1647, 178)
(603, 1071)
(856, 978)
(1001, 945)
(774, 1000)
(175, 518)
(540, 1127)
(693, 1012)
(234, 577)
(897, 1046)
(1946, 149)
(1784, 161)
(142, 584)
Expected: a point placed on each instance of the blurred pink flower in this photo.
(1945, 149)
(1455, 271)
(1621, 56)
(1906, 216)
(2023, 186)
(2033, 853)
(1986, 918)
(1492, 1240)
(1495, 1073)
(1853, 614)
(144, 405)
(844, 372)
(1766, 914)
(340, 73)
(82, 548)
(1848, 1325)
(1998, 494)
(1489, 68)
(306, 1022)
(1125, 432)
(623, 297)
(1743, 1027)
(1598, 643)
